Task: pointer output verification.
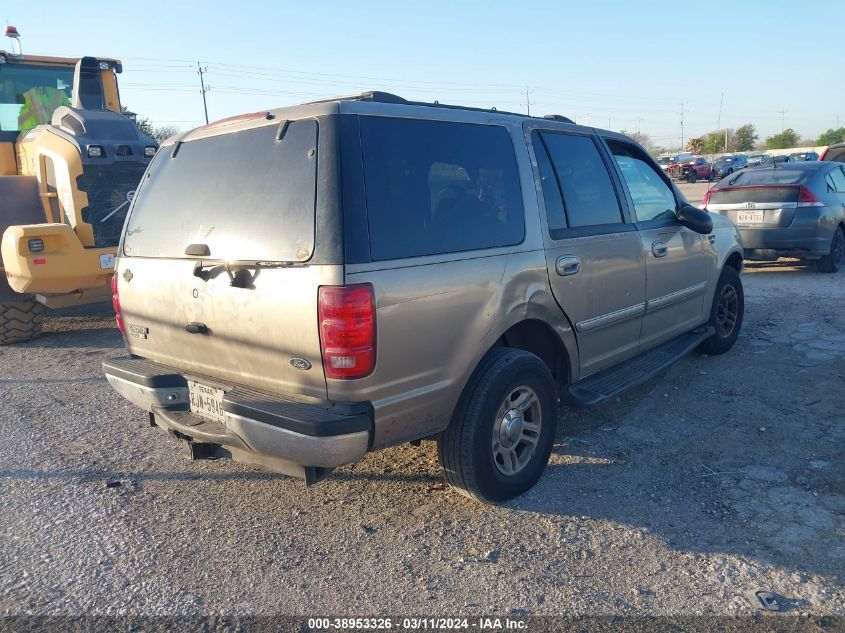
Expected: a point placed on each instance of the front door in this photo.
(593, 253)
(676, 258)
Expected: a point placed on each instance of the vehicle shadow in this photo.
(724, 476)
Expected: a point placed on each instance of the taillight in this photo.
(706, 199)
(115, 302)
(807, 198)
(347, 319)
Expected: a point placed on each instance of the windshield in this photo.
(30, 94)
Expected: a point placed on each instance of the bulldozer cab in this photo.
(70, 163)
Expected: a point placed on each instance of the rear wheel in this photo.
(501, 434)
(726, 314)
(693, 176)
(831, 262)
(20, 320)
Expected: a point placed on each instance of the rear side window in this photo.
(246, 195)
(589, 198)
(838, 179)
(437, 187)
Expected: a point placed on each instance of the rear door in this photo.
(221, 263)
(677, 263)
(593, 252)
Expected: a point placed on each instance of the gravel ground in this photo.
(721, 477)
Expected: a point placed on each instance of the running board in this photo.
(614, 380)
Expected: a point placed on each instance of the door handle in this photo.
(567, 265)
(659, 249)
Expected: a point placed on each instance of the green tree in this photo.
(744, 138)
(787, 138)
(145, 126)
(714, 142)
(832, 136)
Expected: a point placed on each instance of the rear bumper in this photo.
(772, 243)
(271, 431)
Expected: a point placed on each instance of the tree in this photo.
(832, 136)
(787, 138)
(640, 137)
(714, 142)
(145, 126)
(163, 132)
(744, 138)
(695, 145)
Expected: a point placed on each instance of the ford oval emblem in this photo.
(300, 363)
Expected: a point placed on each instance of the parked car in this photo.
(278, 311)
(726, 165)
(794, 211)
(666, 162)
(799, 156)
(782, 158)
(835, 152)
(755, 160)
(696, 168)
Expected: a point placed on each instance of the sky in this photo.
(617, 65)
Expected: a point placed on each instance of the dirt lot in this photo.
(721, 477)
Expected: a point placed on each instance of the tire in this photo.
(728, 300)
(833, 261)
(467, 449)
(20, 320)
(693, 176)
(712, 176)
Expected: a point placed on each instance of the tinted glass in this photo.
(247, 196)
(779, 176)
(437, 187)
(836, 153)
(838, 179)
(551, 193)
(653, 198)
(588, 194)
(30, 94)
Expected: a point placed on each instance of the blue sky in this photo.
(607, 63)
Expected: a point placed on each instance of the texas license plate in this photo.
(206, 402)
(749, 217)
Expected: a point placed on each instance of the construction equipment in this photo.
(70, 162)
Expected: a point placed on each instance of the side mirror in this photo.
(695, 219)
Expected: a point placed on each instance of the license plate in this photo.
(206, 402)
(749, 217)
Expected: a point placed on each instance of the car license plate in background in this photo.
(206, 402)
(749, 217)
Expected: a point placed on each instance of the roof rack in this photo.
(378, 96)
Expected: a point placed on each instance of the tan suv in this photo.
(299, 287)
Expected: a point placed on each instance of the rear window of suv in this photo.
(437, 187)
(247, 195)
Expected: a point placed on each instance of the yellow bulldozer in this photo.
(70, 162)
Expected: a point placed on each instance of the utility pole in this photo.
(682, 126)
(639, 133)
(608, 122)
(528, 92)
(782, 116)
(203, 89)
(719, 118)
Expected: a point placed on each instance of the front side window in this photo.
(589, 198)
(653, 198)
(30, 94)
(437, 187)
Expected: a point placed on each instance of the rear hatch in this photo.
(758, 197)
(221, 262)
